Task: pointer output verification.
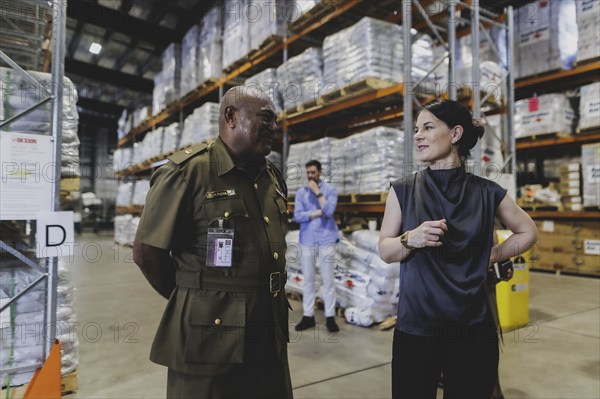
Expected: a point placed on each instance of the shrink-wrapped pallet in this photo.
(301, 78)
(588, 26)
(546, 36)
(548, 113)
(589, 106)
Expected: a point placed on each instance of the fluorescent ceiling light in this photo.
(95, 48)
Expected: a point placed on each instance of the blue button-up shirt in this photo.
(321, 230)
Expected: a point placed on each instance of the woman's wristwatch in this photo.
(404, 240)
(319, 195)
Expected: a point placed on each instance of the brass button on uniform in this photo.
(266, 219)
(226, 214)
(256, 186)
(275, 255)
(218, 322)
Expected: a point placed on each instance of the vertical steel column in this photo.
(510, 46)
(285, 138)
(476, 81)
(58, 72)
(452, 49)
(408, 94)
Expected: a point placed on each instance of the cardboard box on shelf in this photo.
(70, 184)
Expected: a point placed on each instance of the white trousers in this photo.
(326, 254)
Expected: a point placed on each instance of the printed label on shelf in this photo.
(27, 175)
(592, 174)
(534, 104)
(591, 247)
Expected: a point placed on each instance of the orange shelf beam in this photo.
(556, 141)
(527, 82)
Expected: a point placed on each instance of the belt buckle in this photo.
(274, 283)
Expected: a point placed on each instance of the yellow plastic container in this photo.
(513, 295)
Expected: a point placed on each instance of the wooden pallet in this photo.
(69, 383)
(361, 87)
(362, 198)
(300, 109)
(589, 130)
(588, 61)
(545, 136)
(537, 207)
(369, 198)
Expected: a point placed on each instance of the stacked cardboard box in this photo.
(588, 24)
(590, 167)
(570, 186)
(568, 246)
(548, 113)
(589, 106)
(546, 36)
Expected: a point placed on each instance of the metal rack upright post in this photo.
(55, 95)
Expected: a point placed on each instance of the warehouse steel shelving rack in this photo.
(31, 28)
(388, 104)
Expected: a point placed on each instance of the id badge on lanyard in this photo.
(219, 249)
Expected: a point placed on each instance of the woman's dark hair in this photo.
(453, 113)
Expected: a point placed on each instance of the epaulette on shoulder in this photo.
(182, 156)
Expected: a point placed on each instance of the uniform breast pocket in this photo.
(283, 212)
(216, 333)
(229, 209)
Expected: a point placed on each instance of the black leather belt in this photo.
(197, 280)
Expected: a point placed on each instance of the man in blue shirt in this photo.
(313, 209)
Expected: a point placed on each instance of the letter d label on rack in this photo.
(55, 235)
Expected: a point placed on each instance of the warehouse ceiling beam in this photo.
(145, 65)
(113, 20)
(156, 14)
(100, 106)
(124, 8)
(108, 75)
(75, 39)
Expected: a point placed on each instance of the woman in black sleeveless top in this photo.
(439, 224)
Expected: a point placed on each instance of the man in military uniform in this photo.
(212, 240)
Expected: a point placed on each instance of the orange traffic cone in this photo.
(45, 383)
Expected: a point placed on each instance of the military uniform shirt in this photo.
(205, 331)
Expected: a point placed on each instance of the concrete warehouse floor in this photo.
(557, 356)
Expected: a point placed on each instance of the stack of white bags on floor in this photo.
(23, 323)
(125, 228)
(365, 285)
